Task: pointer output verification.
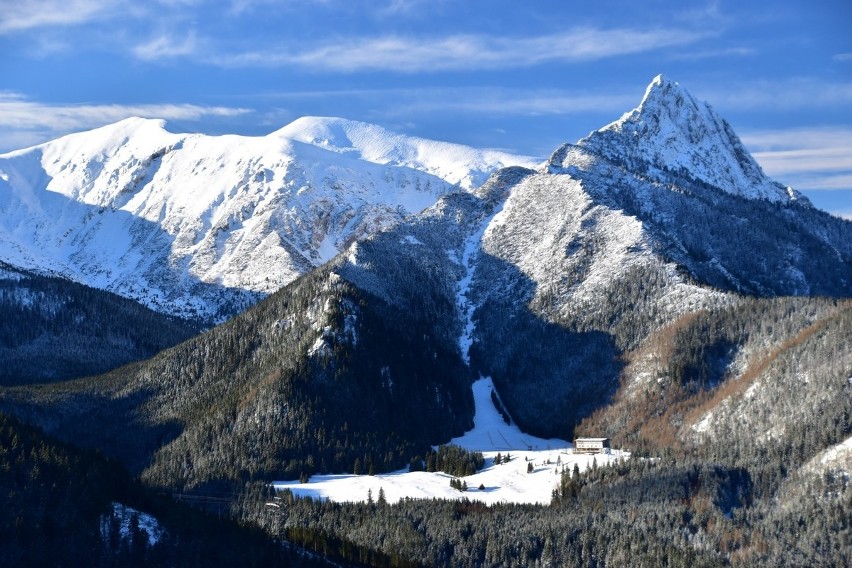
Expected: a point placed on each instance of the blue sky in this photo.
(523, 76)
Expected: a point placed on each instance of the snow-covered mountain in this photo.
(610, 267)
(558, 271)
(201, 226)
(672, 134)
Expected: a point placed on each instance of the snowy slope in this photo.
(468, 167)
(501, 483)
(836, 459)
(544, 230)
(200, 226)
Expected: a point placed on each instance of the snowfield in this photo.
(503, 483)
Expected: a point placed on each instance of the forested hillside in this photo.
(59, 511)
(674, 511)
(314, 379)
(52, 329)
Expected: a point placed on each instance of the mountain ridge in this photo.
(608, 292)
(202, 226)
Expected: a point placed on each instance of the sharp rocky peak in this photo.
(671, 134)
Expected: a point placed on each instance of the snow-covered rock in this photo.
(457, 164)
(672, 133)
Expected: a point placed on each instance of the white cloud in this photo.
(713, 53)
(806, 158)
(782, 95)
(24, 122)
(31, 14)
(476, 100)
(465, 52)
(842, 57)
(166, 46)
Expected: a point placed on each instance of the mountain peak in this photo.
(664, 93)
(673, 133)
(458, 164)
(329, 132)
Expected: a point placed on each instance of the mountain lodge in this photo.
(591, 446)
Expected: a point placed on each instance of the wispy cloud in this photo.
(166, 46)
(24, 122)
(806, 158)
(713, 53)
(398, 102)
(786, 94)
(464, 52)
(33, 14)
(417, 8)
(518, 102)
(842, 57)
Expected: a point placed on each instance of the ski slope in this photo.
(495, 483)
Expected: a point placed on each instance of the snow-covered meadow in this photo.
(501, 483)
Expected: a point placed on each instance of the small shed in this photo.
(592, 446)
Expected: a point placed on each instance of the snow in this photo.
(834, 458)
(123, 513)
(504, 483)
(411, 240)
(671, 131)
(327, 248)
(490, 432)
(460, 165)
(186, 222)
(466, 306)
(558, 234)
(463, 301)
(702, 425)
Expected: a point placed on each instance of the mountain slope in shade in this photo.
(52, 329)
(202, 226)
